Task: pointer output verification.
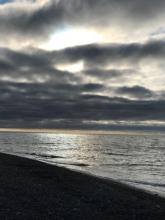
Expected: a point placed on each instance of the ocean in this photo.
(137, 159)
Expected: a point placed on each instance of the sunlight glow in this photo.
(75, 67)
(71, 37)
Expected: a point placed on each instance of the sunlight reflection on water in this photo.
(135, 159)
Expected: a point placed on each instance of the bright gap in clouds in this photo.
(71, 37)
(75, 67)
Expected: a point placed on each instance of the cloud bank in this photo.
(121, 79)
(34, 21)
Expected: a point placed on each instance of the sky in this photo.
(82, 64)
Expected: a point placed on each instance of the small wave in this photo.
(54, 145)
(119, 154)
(131, 165)
(45, 155)
(115, 164)
(74, 164)
(145, 183)
(144, 165)
(7, 143)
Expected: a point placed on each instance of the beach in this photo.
(31, 189)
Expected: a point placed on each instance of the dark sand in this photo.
(33, 190)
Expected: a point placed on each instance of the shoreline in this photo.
(31, 189)
(88, 173)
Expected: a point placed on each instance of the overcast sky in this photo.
(82, 63)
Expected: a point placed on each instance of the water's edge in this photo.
(109, 180)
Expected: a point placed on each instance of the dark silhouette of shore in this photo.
(34, 190)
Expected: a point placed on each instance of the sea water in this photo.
(134, 158)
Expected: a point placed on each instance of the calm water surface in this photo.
(137, 159)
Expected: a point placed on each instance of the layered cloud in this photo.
(104, 54)
(31, 22)
(34, 92)
(37, 105)
(118, 80)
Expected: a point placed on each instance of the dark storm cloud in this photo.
(35, 93)
(107, 53)
(135, 92)
(39, 64)
(38, 103)
(94, 55)
(109, 74)
(50, 97)
(37, 19)
(25, 58)
(136, 7)
(31, 66)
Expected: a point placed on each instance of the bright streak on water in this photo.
(135, 159)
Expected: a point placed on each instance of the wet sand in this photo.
(34, 190)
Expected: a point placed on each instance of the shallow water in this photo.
(137, 159)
